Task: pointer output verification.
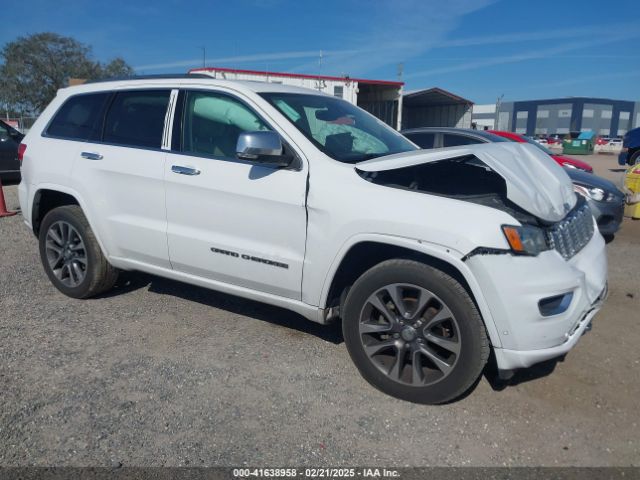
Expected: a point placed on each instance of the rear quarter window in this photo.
(79, 118)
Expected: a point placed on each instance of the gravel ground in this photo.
(161, 373)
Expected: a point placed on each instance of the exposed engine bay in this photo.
(464, 178)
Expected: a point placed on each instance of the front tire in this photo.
(414, 333)
(71, 255)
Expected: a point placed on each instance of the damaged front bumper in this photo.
(515, 359)
(515, 288)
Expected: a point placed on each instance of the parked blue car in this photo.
(630, 154)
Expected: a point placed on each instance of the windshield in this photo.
(340, 129)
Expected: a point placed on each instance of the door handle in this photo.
(185, 170)
(91, 156)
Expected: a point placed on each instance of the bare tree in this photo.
(33, 68)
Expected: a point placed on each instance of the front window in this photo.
(213, 122)
(340, 129)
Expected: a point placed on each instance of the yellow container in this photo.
(632, 188)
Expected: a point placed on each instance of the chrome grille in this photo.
(572, 233)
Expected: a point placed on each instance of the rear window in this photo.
(79, 117)
(451, 140)
(136, 118)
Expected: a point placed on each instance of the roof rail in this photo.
(169, 76)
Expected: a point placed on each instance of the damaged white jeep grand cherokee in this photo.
(302, 200)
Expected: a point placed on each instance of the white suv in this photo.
(279, 194)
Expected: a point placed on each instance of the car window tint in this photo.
(79, 118)
(452, 140)
(4, 133)
(213, 122)
(423, 140)
(136, 118)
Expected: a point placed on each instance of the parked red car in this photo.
(561, 159)
(555, 139)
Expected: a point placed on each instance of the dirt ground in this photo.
(161, 373)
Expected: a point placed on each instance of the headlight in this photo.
(594, 193)
(526, 240)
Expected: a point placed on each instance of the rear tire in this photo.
(71, 255)
(635, 158)
(414, 333)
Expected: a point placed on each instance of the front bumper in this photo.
(514, 359)
(622, 158)
(513, 286)
(608, 215)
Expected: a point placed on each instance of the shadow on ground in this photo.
(131, 281)
(524, 375)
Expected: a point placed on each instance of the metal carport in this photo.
(435, 107)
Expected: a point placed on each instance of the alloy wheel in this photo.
(66, 253)
(410, 334)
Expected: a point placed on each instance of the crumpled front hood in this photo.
(535, 182)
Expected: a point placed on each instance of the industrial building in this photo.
(605, 116)
(381, 98)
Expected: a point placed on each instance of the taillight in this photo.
(21, 149)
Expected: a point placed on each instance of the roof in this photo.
(163, 76)
(484, 134)
(432, 96)
(173, 81)
(596, 100)
(265, 73)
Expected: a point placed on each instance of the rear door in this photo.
(232, 221)
(123, 173)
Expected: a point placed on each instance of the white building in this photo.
(484, 116)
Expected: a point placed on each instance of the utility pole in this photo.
(496, 125)
(320, 63)
(400, 71)
(204, 56)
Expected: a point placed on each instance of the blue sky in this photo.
(479, 49)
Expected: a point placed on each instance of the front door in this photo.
(228, 220)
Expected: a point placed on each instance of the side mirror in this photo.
(263, 147)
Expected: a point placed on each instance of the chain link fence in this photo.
(23, 124)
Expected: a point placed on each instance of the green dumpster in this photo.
(581, 145)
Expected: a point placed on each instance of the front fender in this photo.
(445, 254)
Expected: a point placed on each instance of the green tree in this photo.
(33, 68)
